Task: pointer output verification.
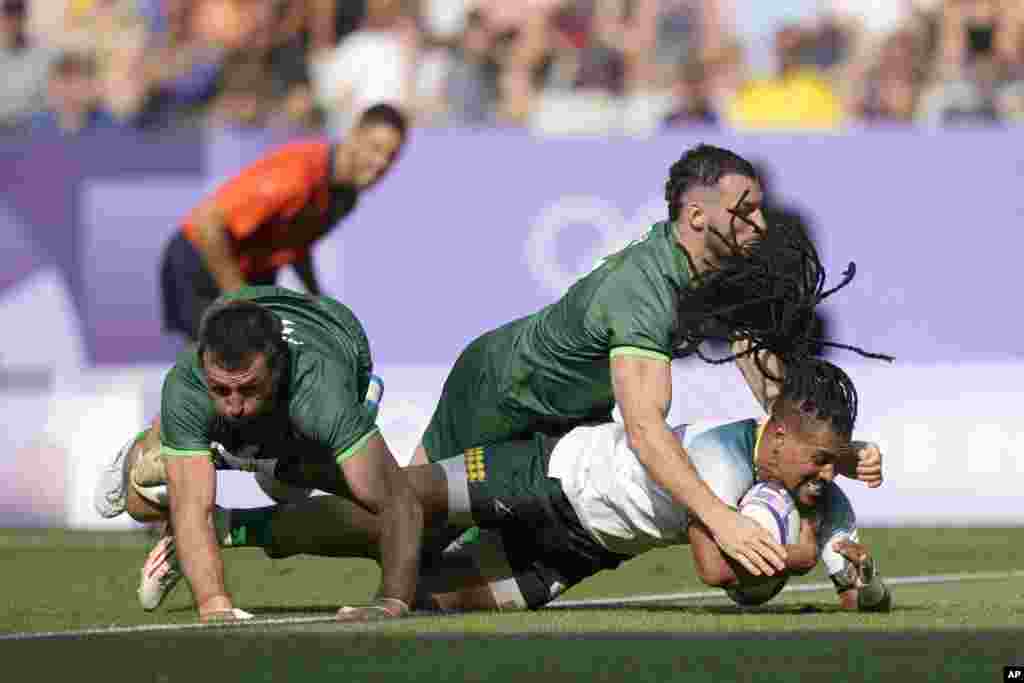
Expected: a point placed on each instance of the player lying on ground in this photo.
(271, 214)
(285, 374)
(611, 338)
(555, 511)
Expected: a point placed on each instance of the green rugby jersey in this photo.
(323, 402)
(558, 361)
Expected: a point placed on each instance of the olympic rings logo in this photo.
(589, 214)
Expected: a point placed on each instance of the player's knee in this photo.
(142, 510)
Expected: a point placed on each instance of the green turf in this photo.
(68, 580)
(953, 631)
(337, 656)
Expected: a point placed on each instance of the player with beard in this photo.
(611, 339)
(282, 376)
(553, 512)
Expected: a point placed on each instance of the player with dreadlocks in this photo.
(553, 512)
(545, 513)
(610, 339)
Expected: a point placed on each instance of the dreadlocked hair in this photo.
(765, 292)
(702, 166)
(819, 390)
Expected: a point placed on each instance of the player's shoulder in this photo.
(301, 159)
(184, 383)
(310, 149)
(646, 263)
(642, 251)
(264, 294)
(737, 435)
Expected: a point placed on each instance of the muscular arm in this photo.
(307, 274)
(214, 243)
(643, 391)
(376, 483)
(192, 487)
(716, 569)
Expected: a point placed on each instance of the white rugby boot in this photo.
(162, 571)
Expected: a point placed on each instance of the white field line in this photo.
(801, 588)
(559, 604)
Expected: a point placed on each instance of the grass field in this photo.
(965, 629)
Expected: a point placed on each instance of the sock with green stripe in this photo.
(249, 527)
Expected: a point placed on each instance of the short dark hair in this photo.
(818, 390)
(704, 165)
(235, 331)
(384, 114)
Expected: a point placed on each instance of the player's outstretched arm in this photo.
(376, 482)
(192, 488)
(643, 391)
(861, 588)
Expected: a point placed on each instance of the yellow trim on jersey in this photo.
(476, 469)
(168, 452)
(757, 442)
(641, 353)
(341, 456)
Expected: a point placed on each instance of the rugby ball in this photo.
(281, 492)
(771, 506)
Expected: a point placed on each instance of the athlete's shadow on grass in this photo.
(279, 611)
(698, 609)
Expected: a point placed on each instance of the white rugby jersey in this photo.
(628, 513)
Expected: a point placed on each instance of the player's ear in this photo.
(694, 216)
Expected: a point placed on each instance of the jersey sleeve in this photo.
(328, 409)
(838, 522)
(277, 185)
(185, 413)
(636, 310)
(722, 459)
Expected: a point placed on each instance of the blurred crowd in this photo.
(550, 65)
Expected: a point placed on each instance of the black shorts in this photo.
(188, 288)
(544, 541)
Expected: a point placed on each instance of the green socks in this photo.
(250, 527)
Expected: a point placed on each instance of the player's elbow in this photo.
(714, 571)
(716, 577)
(640, 434)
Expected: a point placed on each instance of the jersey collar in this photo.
(759, 432)
(681, 261)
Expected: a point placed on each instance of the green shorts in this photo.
(474, 409)
(506, 487)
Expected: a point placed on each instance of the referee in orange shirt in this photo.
(270, 214)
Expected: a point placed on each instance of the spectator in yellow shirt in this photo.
(799, 98)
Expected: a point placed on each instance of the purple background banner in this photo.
(474, 229)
